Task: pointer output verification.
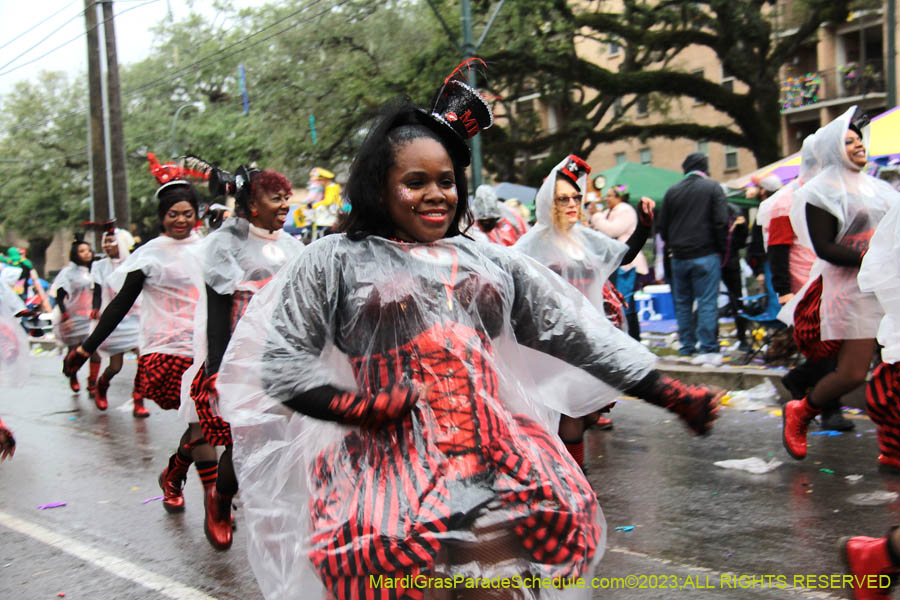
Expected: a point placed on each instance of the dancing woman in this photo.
(73, 289)
(371, 378)
(117, 246)
(835, 214)
(583, 257)
(164, 272)
(238, 259)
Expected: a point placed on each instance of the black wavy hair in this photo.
(398, 123)
(73, 252)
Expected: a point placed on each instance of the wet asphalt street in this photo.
(699, 531)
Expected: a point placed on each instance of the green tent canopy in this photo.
(642, 180)
(646, 180)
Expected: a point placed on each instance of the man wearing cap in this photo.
(694, 226)
(324, 198)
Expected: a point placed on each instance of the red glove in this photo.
(7, 442)
(371, 411)
(73, 362)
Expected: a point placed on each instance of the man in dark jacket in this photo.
(694, 225)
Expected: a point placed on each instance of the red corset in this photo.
(453, 363)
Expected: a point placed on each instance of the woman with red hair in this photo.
(238, 259)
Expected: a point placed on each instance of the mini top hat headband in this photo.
(171, 174)
(574, 169)
(459, 108)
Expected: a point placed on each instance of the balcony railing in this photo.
(851, 79)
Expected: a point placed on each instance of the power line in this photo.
(79, 36)
(30, 29)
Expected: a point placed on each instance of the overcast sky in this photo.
(61, 22)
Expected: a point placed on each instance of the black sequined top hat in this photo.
(459, 112)
(574, 169)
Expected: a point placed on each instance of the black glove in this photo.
(73, 362)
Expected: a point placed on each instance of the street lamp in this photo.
(198, 105)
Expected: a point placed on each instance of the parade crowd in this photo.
(407, 394)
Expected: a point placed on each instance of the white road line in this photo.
(805, 592)
(115, 565)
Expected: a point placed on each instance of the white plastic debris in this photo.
(853, 478)
(712, 359)
(754, 464)
(873, 498)
(758, 397)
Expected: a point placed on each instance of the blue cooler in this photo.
(663, 303)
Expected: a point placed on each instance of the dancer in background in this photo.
(73, 290)
(238, 259)
(583, 257)
(164, 272)
(117, 246)
(835, 213)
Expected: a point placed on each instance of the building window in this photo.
(698, 73)
(614, 48)
(621, 158)
(643, 105)
(646, 156)
(727, 80)
(524, 107)
(731, 158)
(617, 107)
(703, 147)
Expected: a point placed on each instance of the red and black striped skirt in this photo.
(216, 430)
(808, 326)
(158, 378)
(883, 406)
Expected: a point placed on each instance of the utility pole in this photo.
(121, 205)
(469, 48)
(99, 191)
(891, 53)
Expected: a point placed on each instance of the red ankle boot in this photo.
(171, 480)
(218, 523)
(869, 562)
(100, 393)
(139, 411)
(795, 421)
(93, 372)
(73, 384)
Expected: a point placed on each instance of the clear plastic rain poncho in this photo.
(78, 284)
(801, 258)
(14, 348)
(169, 296)
(127, 333)
(478, 462)
(858, 201)
(237, 259)
(583, 257)
(880, 274)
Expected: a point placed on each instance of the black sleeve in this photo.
(823, 229)
(315, 403)
(61, 299)
(97, 300)
(720, 220)
(116, 310)
(218, 328)
(779, 263)
(635, 242)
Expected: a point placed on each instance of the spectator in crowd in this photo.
(694, 226)
(618, 220)
(731, 272)
(490, 220)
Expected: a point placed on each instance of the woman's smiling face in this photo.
(420, 193)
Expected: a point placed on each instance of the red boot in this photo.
(100, 393)
(93, 372)
(171, 480)
(218, 523)
(795, 421)
(139, 411)
(869, 561)
(73, 384)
